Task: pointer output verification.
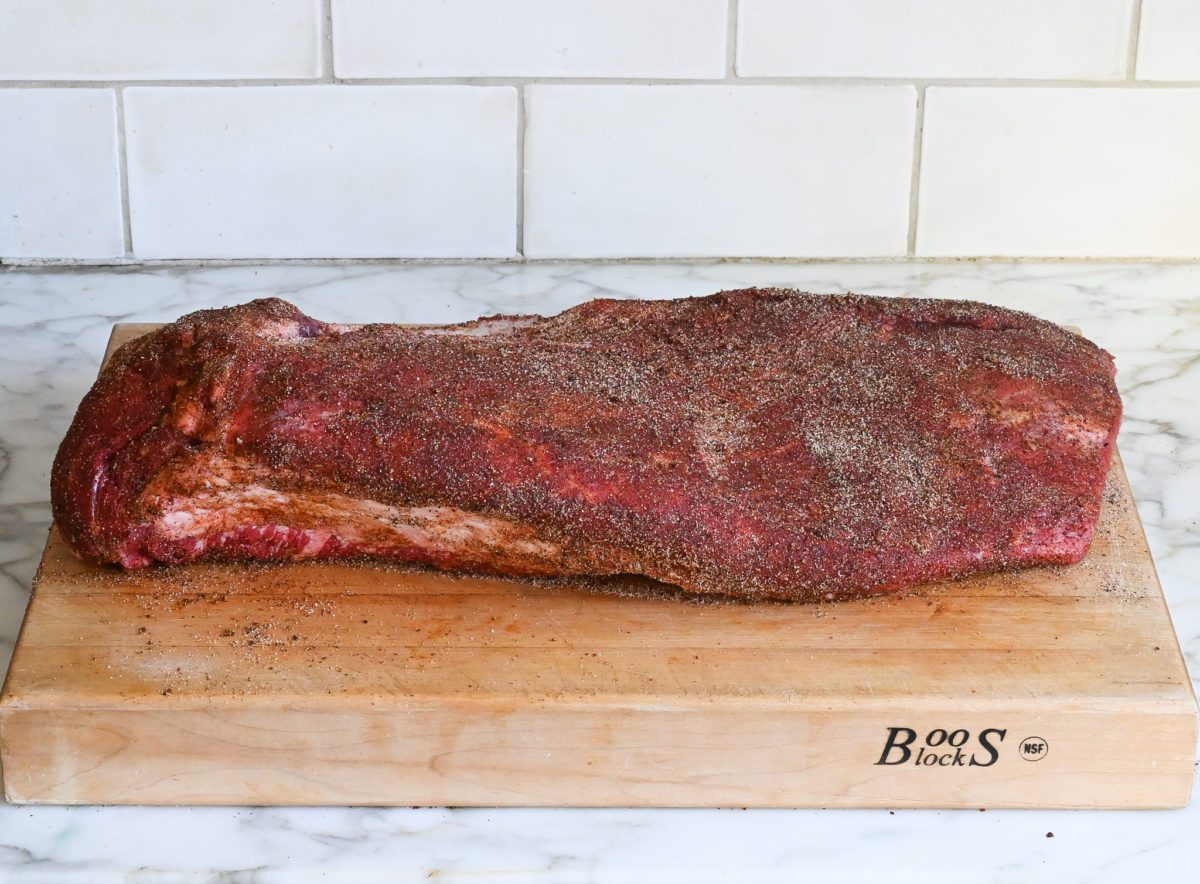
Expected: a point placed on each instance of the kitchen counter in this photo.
(53, 328)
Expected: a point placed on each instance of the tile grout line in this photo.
(123, 174)
(362, 82)
(914, 187)
(520, 171)
(731, 35)
(134, 265)
(327, 41)
(1135, 36)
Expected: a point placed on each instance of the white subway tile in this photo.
(60, 196)
(322, 171)
(153, 39)
(1060, 172)
(1030, 39)
(1169, 41)
(717, 170)
(534, 38)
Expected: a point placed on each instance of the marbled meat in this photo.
(758, 443)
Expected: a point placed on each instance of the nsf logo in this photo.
(1034, 748)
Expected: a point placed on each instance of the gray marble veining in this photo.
(53, 327)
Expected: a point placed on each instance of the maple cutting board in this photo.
(350, 684)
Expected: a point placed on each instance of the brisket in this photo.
(757, 443)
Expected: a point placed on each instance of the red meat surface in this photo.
(757, 443)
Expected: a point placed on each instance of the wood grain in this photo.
(353, 684)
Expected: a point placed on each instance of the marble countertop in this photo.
(53, 328)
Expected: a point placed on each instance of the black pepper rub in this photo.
(758, 443)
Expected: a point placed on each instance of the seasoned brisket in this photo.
(757, 443)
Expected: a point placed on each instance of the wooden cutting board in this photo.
(344, 684)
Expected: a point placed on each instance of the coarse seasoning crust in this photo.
(759, 443)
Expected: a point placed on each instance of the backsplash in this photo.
(275, 129)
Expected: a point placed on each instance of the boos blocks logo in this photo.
(942, 748)
(954, 748)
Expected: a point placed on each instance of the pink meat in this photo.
(757, 443)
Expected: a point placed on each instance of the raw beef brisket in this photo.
(757, 443)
